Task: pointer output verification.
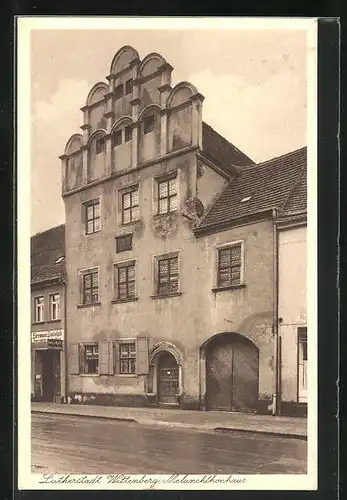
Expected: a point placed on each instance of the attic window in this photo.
(246, 199)
(59, 260)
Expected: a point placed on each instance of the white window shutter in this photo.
(103, 357)
(110, 358)
(74, 359)
(142, 356)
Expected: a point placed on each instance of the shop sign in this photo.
(54, 344)
(49, 335)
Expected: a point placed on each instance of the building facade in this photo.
(292, 310)
(170, 250)
(48, 360)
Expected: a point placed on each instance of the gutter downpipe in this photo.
(276, 396)
(65, 342)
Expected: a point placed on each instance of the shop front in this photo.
(48, 366)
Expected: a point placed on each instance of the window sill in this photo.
(127, 224)
(38, 322)
(169, 295)
(165, 214)
(229, 287)
(93, 233)
(122, 301)
(81, 306)
(54, 320)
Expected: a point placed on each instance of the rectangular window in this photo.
(128, 133)
(92, 216)
(117, 138)
(124, 243)
(91, 359)
(127, 357)
(54, 306)
(125, 279)
(167, 276)
(128, 87)
(90, 287)
(100, 145)
(167, 196)
(229, 266)
(39, 309)
(118, 91)
(130, 206)
(148, 125)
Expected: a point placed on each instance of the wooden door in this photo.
(245, 376)
(219, 373)
(168, 379)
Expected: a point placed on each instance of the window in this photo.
(92, 216)
(128, 133)
(167, 196)
(124, 243)
(39, 309)
(127, 355)
(118, 91)
(128, 87)
(54, 306)
(125, 280)
(229, 266)
(167, 276)
(130, 206)
(91, 358)
(100, 145)
(117, 138)
(90, 287)
(148, 124)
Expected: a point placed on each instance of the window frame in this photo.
(128, 83)
(51, 306)
(36, 308)
(117, 133)
(82, 274)
(230, 286)
(118, 238)
(119, 91)
(86, 345)
(157, 294)
(124, 264)
(85, 205)
(100, 145)
(123, 193)
(166, 180)
(131, 358)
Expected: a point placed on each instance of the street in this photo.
(72, 445)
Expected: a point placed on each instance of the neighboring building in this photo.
(292, 311)
(170, 250)
(48, 365)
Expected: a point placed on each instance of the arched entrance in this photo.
(167, 379)
(232, 373)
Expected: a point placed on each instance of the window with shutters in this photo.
(90, 354)
(167, 195)
(230, 265)
(130, 205)
(127, 357)
(125, 286)
(92, 216)
(166, 278)
(89, 287)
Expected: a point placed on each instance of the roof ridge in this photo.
(266, 162)
(47, 230)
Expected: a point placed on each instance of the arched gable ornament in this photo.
(164, 346)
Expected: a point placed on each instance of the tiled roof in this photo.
(46, 249)
(261, 187)
(216, 148)
(297, 201)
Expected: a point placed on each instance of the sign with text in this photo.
(47, 335)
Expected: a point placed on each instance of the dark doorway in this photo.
(232, 366)
(168, 383)
(50, 362)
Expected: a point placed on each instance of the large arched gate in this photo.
(232, 373)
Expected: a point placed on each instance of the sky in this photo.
(253, 81)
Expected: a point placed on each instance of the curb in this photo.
(161, 423)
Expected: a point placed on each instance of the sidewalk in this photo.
(201, 420)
